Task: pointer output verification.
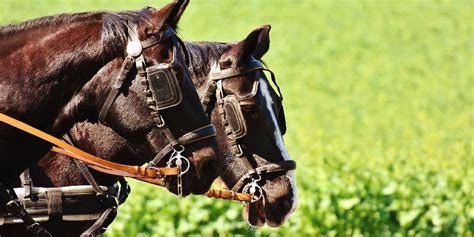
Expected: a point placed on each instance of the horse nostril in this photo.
(285, 205)
(209, 167)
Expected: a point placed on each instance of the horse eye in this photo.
(251, 111)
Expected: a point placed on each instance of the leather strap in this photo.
(101, 224)
(126, 66)
(194, 136)
(270, 168)
(252, 66)
(95, 162)
(88, 176)
(227, 194)
(156, 39)
(83, 168)
(107, 167)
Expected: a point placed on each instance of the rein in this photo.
(108, 167)
(144, 173)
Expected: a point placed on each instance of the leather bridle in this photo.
(151, 78)
(248, 182)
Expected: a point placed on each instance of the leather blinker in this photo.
(235, 116)
(282, 121)
(164, 86)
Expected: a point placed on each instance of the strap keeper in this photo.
(55, 203)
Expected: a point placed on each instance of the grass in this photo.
(379, 99)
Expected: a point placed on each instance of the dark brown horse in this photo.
(263, 118)
(47, 81)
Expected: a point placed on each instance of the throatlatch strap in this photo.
(126, 66)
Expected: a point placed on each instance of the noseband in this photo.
(162, 91)
(235, 127)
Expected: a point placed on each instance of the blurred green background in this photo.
(379, 97)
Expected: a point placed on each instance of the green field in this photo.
(379, 97)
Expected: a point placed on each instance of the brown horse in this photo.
(47, 81)
(264, 121)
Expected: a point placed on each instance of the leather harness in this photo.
(235, 127)
(149, 173)
(248, 183)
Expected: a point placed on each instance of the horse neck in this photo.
(52, 58)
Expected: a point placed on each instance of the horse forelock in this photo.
(202, 57)
(115, 25)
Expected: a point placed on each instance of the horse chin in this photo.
(254, 214)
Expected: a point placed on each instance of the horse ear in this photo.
(256, 44)
(263, 42)
(168, 15)
(177, 12)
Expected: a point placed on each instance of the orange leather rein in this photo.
(153, 175)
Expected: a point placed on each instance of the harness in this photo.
(162, 91)
(235, 127)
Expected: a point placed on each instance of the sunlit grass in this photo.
(379, 99)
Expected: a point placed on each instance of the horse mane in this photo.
(114, 24)
(202, 56)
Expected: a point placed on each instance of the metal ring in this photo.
(181, 148)
(256, 180)
(188, 165)
(260, 194)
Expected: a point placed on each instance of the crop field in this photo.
(379, 97)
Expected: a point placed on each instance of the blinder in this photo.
(282, 121)
(164, 86)
(235, 116)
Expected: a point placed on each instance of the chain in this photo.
(179, 161)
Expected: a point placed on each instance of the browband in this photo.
(253, 65)
(158, 38)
